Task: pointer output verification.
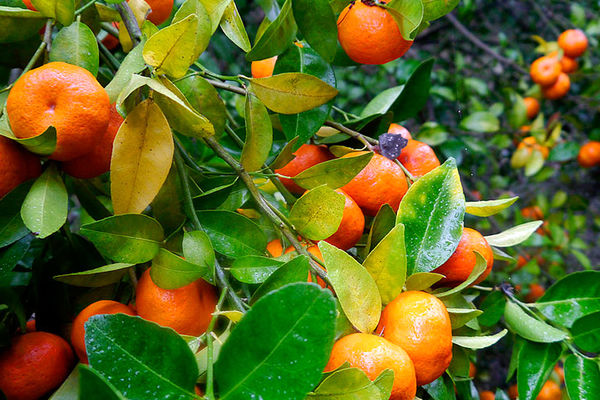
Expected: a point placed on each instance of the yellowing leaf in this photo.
(172, 50)
(203, 29)
(141, 160)
(61, 10)
(233, 27)
(292, 92)
(140, 9)
(259, 134)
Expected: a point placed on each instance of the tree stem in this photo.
(130, 22)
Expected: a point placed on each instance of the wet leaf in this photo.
(93, 386)
(582, 378)
(514, 235)
(536, 361)
(586, 332)
(530, 328)
(97, 277)
(478, 342)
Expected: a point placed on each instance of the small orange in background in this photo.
(33, 365)
(532, 212)
(568, 65)
(521, 261)
(418, 158)
(472, 370)
(188, 310)
(545, 70)
(550, 391)
(560, 373)
(275, 248)
(531, 144)
(461, 263)
(352, 226)
(513, 392)
(532, 106)
(66, 97)
(17, 165)
(263, 68)
(381, 182)
(97, 308)
(535, 292)
(373, 355)
(308, 155)
(369, 34)
(559, 89)
(96, 162)
(29, 5)
(487, 395)
(589, 154)
(398, 129)
(419, 323)
(161, 10)
(573, 42)
(525, 128)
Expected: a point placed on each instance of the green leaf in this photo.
(97, 277)
(43, 144)
(317, 23)
(318, 213)
(233, 27)
(128, 238)
(582, 378)
(350, 384)
(382, 224)
(441, 389)
(259, 134)
(12, 227)
(535, 163)
(489, 207)
(198, 250)
(18, 24)
(480, 121)
(69, 390)
(169, 271)
(277, 37)
(460, 316)
(203, 97)
(131, 65)
(254, 269)
(586, 332)
(292, 92)
(247, 238)
(536, 361)
(93, 386)
(203, 27)
(387, 264)
(171, 50)
(45, 208)
(435, 9)
(354, 287)
(478, 342)
(408, 14)
(422, 280)
(515, 235)
(61, 10)
(568, 299)
(293, 350)
(163, 364)
(76, 44)
(529, 327)
(333, 173)
(493, 309)
(295, 270)
(432, 212)
(517, 111)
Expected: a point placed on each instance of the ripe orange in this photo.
(550, 391)
(314, 250)
(275, 248)
(33, 365)
(472, 370)
(373, 355)
(535, 292)
(545, 70)
(65, 96)
(188, 310)
(559, 89)
(589, 154)
(460, 264)
(560, 372)
(30, 326)
(161, 10)
(17, 165)
(521, 261)
(369, 34)
(419, 323)
(263, 68)
(573, 42)
(418, 158)
(399, 130)
(381, 182)
(307, 155)
(487, 395)
(97, 162)
(78, 329)
(352, 226)
(532, 106)
(532, 212)
(29, 5)
(513, 392)
(568, 65)
(525, 128)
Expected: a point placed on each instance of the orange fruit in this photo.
(461, 263)
(419, 323)
(373, 355)
(111, 42)
(487, 395)
(263, 68)
(308, 155)
(399, 130)
(418, 158)
(532, 106)
(369, 34)
(188, 310)
(513, 392)
(33, 365)
(589, 154)
(550, 391)
(545, 70)
(573, 42)
(535, 292)
(352, 226)
(532, 212)
(531, 143)
(30, 326)
(161, 10)
(17, 165)
(525, 128)
(314, 250)
(29, 5)
(472, 370)
(66, 97)
(275, 248)
(559, 89)
(568, 65)
(560, 372)
(78, 329)
(381, 182)
(521, 261)
(96, 162)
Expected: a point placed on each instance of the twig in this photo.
(130, 22)
(48, 34)
(226, 86)
(85, 7)
(367, 141)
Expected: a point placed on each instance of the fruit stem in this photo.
(210, 395)
(85, 7)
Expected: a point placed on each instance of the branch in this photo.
(130, 22)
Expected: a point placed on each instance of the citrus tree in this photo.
(198, 231)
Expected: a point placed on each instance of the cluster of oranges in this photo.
(37, 362)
